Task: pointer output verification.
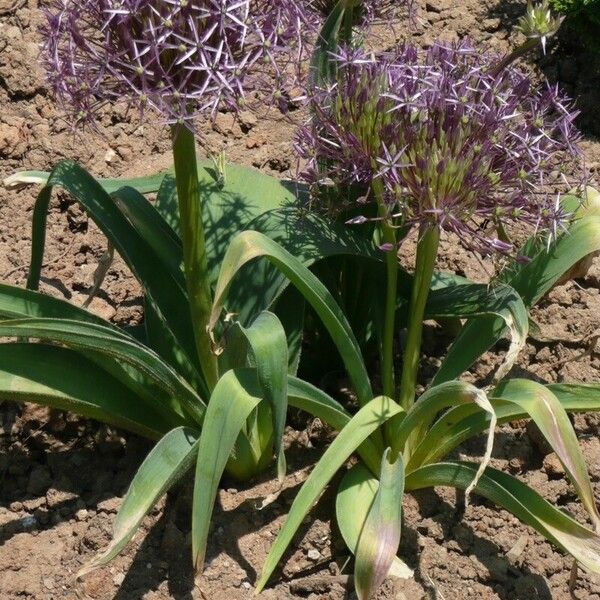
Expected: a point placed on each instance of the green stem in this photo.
(194, 247)
(427, 250)
(388, 234)
(389, 323)
(514, 55)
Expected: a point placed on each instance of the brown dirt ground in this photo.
(63, 477)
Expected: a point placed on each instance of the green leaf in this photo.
(361, 426)
(144, 185)
(290, 308)
(154, 230)
(438, 398)
(17, 303)
(463, 422)
(380, 535)
(63, 379)
(538, 277)
(168, 461)
(162, 287)
(307, 397)
(577, 397)
(520, 500)
(229, 207)
(505, 309)
(235, 396)
(322, 66)
(268, 342)
(532, 281)
(352, 503)
(167, 204)
(307, 236)
(114, 344)
(250, 245)
(552, 420)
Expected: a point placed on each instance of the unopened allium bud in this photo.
(180, 58)
(539, 22)
(441, 138)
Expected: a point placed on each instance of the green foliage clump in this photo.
(583, 16)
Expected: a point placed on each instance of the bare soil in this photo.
(63, 477)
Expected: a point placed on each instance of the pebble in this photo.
(314, 554)
(48, 583)
(119, 578)
(81, 514)
(553, 466)
(28, 522)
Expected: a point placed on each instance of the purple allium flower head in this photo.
(367, 11)
(442, 139)
(179, 57)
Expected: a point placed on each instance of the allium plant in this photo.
(430, 149)
(437, 142)
(181, 58)
(178, 59)
(441, 141)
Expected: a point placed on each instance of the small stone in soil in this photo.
(81, 515)
(119, 578)
(553, 466)
(314, 554)
(28, 522)
(48, 583)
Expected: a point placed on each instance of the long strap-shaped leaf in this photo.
(501, 304)
(322, 65)
(438, 398)
(532, 282)
(168, 461)
(361, 426)
(18, 303)
(64, 379)
(166, 245)
(520, 500)
(250, 245)
(352, 504)
(463, 422)
(268, 342)
(151, 226)
(307, 397)
(144, 185)
(552, 420)
(161, 286)
(116, 345)
(380, 535)
(235, 396)
(516, 399)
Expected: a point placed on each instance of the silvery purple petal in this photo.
(452, 142)
(179, 58)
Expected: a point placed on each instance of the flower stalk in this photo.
(388, 236)
(427, 249)
(194, 247)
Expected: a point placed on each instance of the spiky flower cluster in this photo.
(179, 57)
(367, 11)
(440, 138)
